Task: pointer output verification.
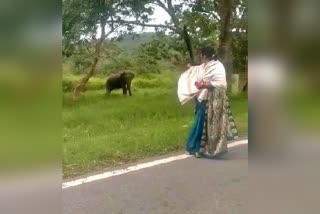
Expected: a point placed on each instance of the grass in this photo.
(303, 109)
(101, 131)
(239, 107)
(69, 81)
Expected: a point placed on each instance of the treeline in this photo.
(142, 53)
(89, 25)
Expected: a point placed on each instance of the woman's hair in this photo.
(209, 52)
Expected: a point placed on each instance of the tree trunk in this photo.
(245, 87)
(225, 38)
(81, 86)
(182, 31)
(187, 40)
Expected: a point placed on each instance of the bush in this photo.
(142, 81)
(115, 65)
(146, 83)
(164, 80)
(70, 81)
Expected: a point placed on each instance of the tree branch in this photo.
(87, 47)
(145, 24)
(171, 12)
(112, 30)
(162, 5)
(210, 13)
(239, 21)
(112, 24)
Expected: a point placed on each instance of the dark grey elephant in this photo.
(120, 80)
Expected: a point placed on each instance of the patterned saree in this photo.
(213, 125)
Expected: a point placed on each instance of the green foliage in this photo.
(146, 80)
(70, 81)
(162, 48)
(240, 51)
(145, 83)
(147, 52)
(118, 64)
(130, 43)
(81, 59)
(202, 29)
(204, 25)
(142, 65)
(82, 18)
(153, 51)
(164, 80)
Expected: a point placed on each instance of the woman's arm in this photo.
(208, 85)
(204, 84)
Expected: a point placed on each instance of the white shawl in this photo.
(212, 71)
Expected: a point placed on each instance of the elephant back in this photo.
(128, 75)
(114, 75)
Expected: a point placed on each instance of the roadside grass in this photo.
(102, 131)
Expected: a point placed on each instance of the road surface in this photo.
(188, 186)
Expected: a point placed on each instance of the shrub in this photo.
(154, 81)
(70, 81)
(142, 81)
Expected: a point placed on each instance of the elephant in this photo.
(120, 80)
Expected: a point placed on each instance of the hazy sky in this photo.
(159, 17)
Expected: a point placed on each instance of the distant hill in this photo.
(129, 43)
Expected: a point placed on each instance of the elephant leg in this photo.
(124, 89)
(108, 91)
(129, 88)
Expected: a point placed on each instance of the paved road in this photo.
(188, 186)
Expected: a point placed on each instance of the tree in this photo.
(225, 38)
(215, 18)
(230, 19)
(205, 22)
(83, 18)
(174, 11)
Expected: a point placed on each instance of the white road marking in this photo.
(237, 143)
(135, 168)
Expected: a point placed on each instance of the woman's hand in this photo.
(202, 84)
(198, 84)
(205, 84)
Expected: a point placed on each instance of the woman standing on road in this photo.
(213, 124)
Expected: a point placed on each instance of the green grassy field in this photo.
(101, 131)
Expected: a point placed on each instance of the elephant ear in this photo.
(130, 75)
(122, 75)
(126, 75)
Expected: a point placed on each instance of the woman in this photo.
(213, 124)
